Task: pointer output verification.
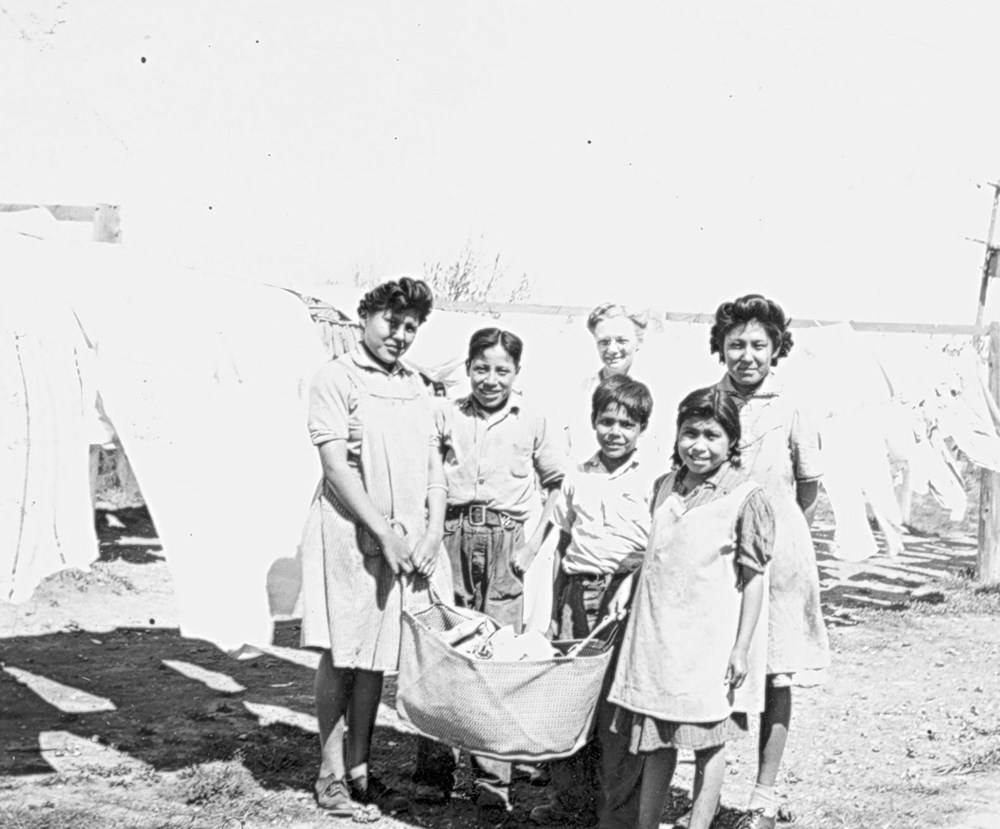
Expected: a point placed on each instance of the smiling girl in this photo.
(373, 536)
(497, 452)
(780, 449)
(692, 663)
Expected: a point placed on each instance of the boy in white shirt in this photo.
(603, 516)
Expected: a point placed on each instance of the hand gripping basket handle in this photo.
(606, 622)
(432, 591)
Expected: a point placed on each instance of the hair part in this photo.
(486, 338)
(752, 308)
(397, 296)
(622, 391)
(711, 404)
(608, 310)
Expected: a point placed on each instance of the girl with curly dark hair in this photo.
(780, 450)
(374, 533)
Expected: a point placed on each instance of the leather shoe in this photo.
(684, 821)
(332, 796)
(756, 819)
(367, 789)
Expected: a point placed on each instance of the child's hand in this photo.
(521, 558)
(736, 672)
(618, 606)
(396, 553)
(425, 555)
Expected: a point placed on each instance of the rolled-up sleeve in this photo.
(332, 401)
(551, 456)
(804, 443)
(755, 532)
(441, 431)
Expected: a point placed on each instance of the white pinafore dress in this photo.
(685, 616)
(352, 602)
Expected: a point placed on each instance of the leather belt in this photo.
(479, 515)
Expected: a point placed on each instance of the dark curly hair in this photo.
(719, 406)
(403, 294)
(486, 338)
(752, 307)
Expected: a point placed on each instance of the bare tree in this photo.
(466, 279)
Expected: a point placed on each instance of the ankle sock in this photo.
(763, 797)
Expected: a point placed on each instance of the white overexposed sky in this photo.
(669, 154)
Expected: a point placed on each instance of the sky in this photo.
(663, 155)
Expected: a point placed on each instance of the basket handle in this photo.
(608, 620)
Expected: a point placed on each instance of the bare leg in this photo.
(709, 771)
(774, 724)
(361, 720)
(334, 688)
(657, 772)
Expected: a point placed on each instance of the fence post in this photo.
(107, 223)
(988, 556)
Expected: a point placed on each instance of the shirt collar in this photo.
(468, 405)
(724, 479)
(363, 359)
(771, 386)
(595, 463)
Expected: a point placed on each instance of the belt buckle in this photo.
(476, 515)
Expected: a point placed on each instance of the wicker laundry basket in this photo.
(528, 711)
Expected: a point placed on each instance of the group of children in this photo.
(705, 553)
(684, 543)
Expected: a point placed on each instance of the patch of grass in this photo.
(219, 782)
(962, 594)
(978, 763)
(47, 817)
(281, 757)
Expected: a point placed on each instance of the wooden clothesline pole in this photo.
(989, 257)
(988, 547)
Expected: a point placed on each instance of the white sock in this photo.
(763, 797)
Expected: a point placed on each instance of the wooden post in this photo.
(988, 555)
(989, 263)
(107, 223)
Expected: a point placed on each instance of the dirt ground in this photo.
(109, 719)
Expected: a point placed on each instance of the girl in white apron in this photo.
(781, 451)
(692, 661)
(373, 537)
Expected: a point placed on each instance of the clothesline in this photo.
(707, 319)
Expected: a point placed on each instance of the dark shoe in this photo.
(429, 793)
(370, 790)
(684, 821)
(333, 796)
(555, 813)
(756, 820)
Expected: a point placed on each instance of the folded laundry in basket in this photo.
(505, 645)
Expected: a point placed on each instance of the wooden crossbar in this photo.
(707, 319)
